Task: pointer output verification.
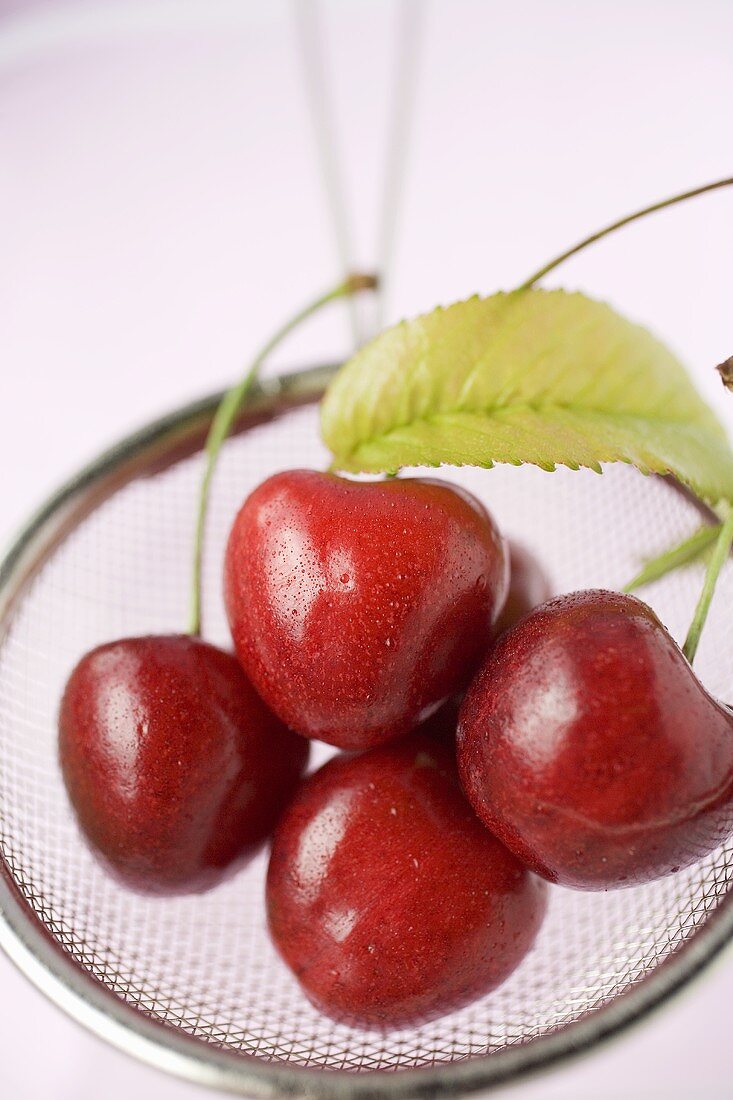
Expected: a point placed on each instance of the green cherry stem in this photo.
(720, 552)
(682, 197)
(693, 546)
(683, 554)
(226, 414)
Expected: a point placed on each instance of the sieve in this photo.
(192, 985)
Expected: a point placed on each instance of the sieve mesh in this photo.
(205, 964)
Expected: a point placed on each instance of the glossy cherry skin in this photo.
(175, 768)
(387, 898)
(529, 586)
(356, 608)
(588, 745)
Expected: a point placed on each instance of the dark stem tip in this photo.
(725, 370)
(361, 281)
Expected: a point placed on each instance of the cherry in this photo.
(174, 766)
(529, 586)
(356, 608)
(587, 744)
(387, 898)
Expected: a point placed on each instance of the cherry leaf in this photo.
(542, 377)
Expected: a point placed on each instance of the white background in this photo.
(161, 210)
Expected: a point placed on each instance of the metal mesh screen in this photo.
(205, 964)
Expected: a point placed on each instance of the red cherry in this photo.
(529, 586)
(386, 896)
(588, 745)
(356, 608)
(174, 766)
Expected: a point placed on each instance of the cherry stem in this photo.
(724, 540)
(227, 412)
(684, 553)
(717, 558)
(682, 197)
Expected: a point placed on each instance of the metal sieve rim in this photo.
(35, 951)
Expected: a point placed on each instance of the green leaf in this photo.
(544, 377)
(684, 553)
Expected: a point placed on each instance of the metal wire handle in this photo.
(366, 316)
